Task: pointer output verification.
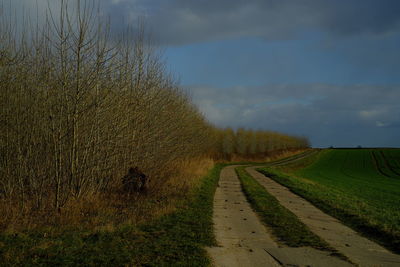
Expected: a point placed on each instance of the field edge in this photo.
(351, 220)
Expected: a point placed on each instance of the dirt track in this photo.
(244, 241)
(358, 249)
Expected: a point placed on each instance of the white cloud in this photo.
(329, 115)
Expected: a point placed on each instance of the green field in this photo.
(359, 186)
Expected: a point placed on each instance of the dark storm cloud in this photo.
(329, 115)
(361, 16)
(190, 21)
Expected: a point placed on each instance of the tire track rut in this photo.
(244, 241)
(358, 249)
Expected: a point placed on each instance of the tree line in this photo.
(79, 108)
(250, 144)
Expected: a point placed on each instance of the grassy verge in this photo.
(348, 208)
(175, 239)
(284, 224)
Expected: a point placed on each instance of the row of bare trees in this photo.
(78, 108)
(252, 144)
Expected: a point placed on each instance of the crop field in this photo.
(361, 187)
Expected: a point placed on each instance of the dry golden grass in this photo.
(271, 157)
(106, 211)
(188, 174)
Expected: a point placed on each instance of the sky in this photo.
(325, 69)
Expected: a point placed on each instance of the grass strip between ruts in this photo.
(283, 223)
(176, 239)
(332, 204)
